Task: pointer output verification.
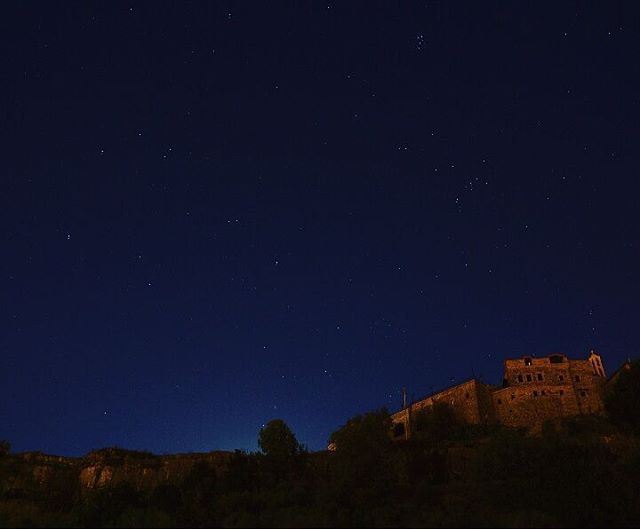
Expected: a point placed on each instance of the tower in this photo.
(596, 363)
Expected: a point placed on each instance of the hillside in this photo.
(583, 471)
(583, 476)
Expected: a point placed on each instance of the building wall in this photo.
(534, 390)
(516, 407)
(471, 401)
(555, 385)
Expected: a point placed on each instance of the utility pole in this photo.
(407, 410)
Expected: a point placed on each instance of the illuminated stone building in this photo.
(533, 390)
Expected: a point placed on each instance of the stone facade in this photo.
(471, 400)
(533, 390)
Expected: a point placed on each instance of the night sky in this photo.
(213, 214)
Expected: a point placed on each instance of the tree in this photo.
(103, 507)
(363, 470)
(194, 500)
(5, 447)
(277, 441)
(437, 423)
(362, 444)
(622, 397)
(167, 498)
(368, 433)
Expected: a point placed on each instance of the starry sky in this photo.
(216, 214)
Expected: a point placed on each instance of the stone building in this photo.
(533, 390)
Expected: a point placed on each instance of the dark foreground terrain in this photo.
(581, 472)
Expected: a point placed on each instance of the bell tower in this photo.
(596, 363)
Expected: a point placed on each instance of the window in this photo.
(562, 392)
(527, 361)
(513, 397)
(519, 378)
(466, 395)
(577, 378)
(535, 393)
(544, 392)
(583, 393)
(561, 378)
(529, 378)
(499, 401)
(539, 376)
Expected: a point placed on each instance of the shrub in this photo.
(622, 396)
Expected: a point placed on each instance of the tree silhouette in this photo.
(438, 422)
(277, 441)
(621, 399)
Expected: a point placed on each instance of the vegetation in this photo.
(582, 472)
(278, 442)
(622, 401)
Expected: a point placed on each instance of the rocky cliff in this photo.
(108, 467)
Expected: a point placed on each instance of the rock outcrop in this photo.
(102, 468)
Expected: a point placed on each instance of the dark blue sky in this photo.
(217, 214)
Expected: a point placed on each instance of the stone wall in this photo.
(555, 385)
(516, 407)
(470, 400)
(534, 390)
